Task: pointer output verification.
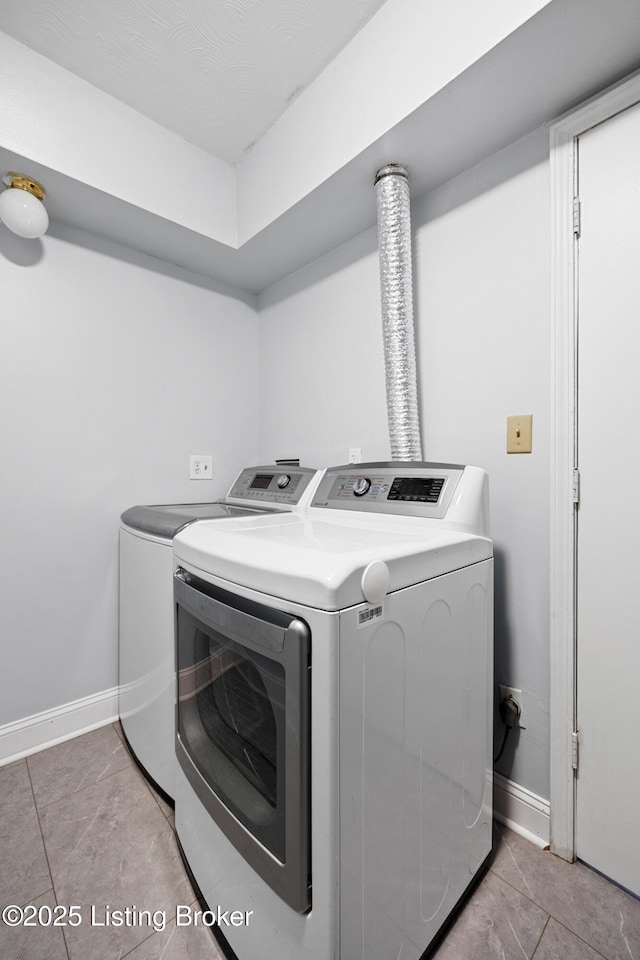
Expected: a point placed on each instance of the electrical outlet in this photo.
(200, 467)
(517, 696)
(355, 455)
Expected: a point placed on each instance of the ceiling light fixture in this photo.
(21, 206)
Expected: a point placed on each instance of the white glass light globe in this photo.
(23, 213)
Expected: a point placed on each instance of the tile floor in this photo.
(80, 825)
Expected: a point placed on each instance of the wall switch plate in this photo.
(517, 696)
(200, 466)
(355, 455)
(519, 433)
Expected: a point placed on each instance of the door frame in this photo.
(564, 411)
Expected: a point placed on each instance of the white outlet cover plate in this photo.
(518, 697)
(200, 466)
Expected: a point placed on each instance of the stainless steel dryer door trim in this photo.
(285, 641)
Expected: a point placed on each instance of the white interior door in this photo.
(608, 648)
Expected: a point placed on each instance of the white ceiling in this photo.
(409, 88)
(217, 72)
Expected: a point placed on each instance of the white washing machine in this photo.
(334, 713)
(146, 627)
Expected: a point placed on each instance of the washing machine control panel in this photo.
(400, 488)
(272, 485)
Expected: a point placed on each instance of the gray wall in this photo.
(482, 304)
(113, 368)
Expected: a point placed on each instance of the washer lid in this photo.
(165, 520)
(320, 563)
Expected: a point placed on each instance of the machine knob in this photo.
(360, 486)
(283, 481)
(375, 582)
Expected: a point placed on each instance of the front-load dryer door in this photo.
(242, 727)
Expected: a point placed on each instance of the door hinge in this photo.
(575, 486)
(577, 216)
(574, 749)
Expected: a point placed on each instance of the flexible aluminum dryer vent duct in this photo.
(394, 247)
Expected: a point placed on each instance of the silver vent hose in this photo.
(394, 249)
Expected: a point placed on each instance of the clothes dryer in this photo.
(146, 634)
(334, 713)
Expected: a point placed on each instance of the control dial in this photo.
(283, 481)
(360, 486)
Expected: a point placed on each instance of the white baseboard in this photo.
(521, 810)
(517, 807)
(42, 730)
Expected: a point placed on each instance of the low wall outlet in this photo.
(517, 696)
(200, 467)
(355, 455)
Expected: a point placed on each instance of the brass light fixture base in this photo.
(24, 183)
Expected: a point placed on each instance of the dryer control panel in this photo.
(409, 488)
